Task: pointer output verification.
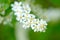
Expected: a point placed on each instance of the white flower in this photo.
(22, 15)
(26, 19)
(26, 25)
(27, 8)
(39, 26)
(42, 25)
(34, 23)
(20, 7)
(19, 16)
(17, 6)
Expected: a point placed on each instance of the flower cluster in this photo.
(22, 12)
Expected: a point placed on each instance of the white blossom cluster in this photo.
(22, 12)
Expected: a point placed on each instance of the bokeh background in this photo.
(7, 31)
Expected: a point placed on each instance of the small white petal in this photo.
(16, 3)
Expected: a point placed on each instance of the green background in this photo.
(53, 29)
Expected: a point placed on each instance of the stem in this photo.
(21, 34)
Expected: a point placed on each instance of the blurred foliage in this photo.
(7, 32)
